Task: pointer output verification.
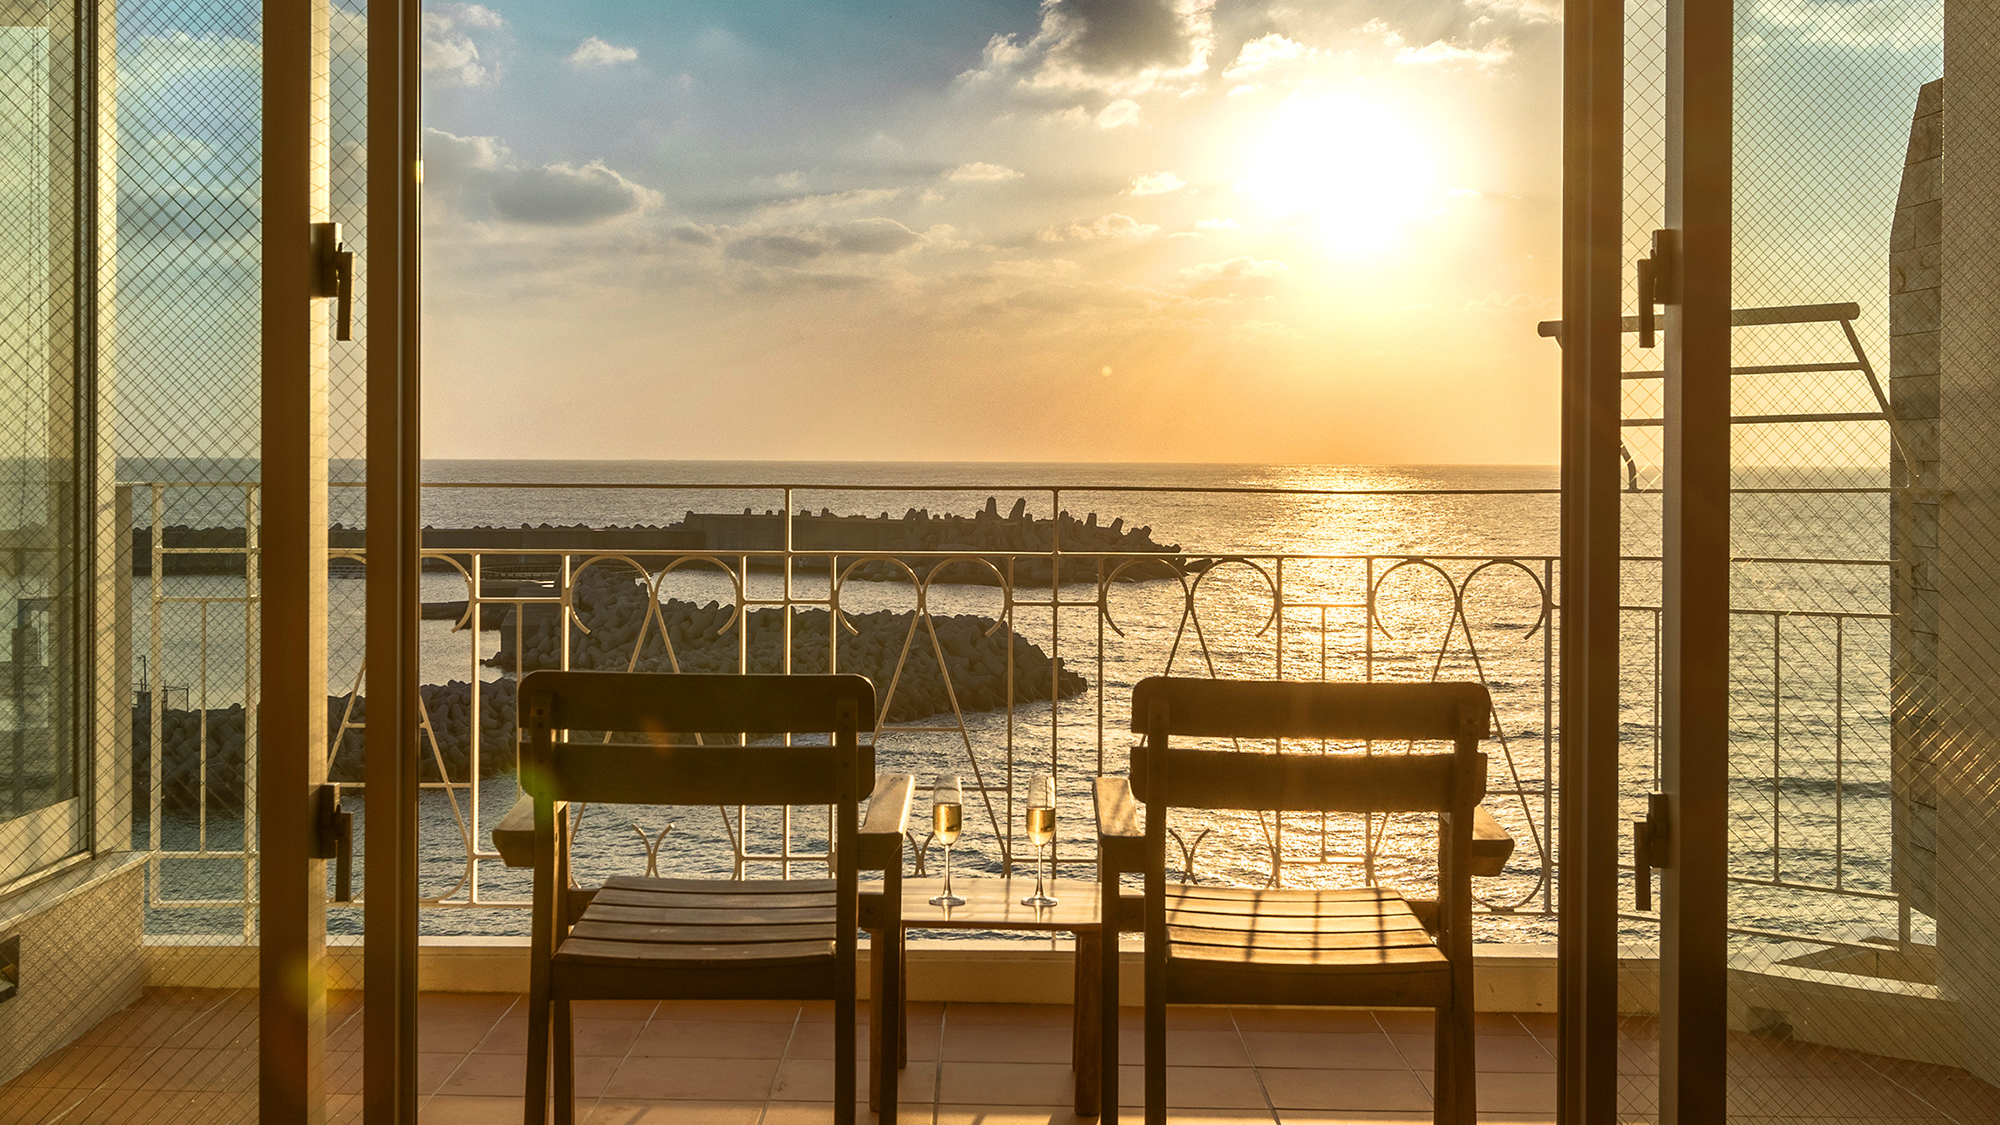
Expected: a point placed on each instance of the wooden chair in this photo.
(666, 939)
(1361, 947)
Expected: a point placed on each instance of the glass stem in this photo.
(947, 871)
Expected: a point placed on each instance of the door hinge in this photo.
(1649, 847)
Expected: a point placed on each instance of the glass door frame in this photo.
(1693, 264)
(394, 560)
(290, 763)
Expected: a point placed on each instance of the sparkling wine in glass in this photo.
(1041, 831)
(947, 820)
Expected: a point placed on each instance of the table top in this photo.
(995, 904)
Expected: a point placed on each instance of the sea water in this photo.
(1462, 576)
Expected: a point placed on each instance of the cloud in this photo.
(562, 195)
(479, 179)
(1898, 24)
(450, 53)
(1120, 113)
(1110, 226)
(876, 237)
(1438, 52)
(595, 52)
(1272, 51)
(1155, 183)
(980, 172)
(1235, 277)
(800, 205)
(1525, 11)
(1441, 53)
(1124, 47)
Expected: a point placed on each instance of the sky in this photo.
(1271, 231)
(1083, 230)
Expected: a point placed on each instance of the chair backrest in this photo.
(1164, 706)
(686, 704)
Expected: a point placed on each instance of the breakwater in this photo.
(690, 637)
(203, 752)
(198, 764)
(988, 534)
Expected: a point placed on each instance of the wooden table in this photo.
(995, 904)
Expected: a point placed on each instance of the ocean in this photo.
(1458, 563)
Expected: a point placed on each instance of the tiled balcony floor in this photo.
(190, 1056)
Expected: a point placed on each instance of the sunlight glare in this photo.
(1357, 171)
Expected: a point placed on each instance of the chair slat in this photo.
(1223, 779)
(1207, 708)
(609, 897)
(719, 886)
(589, 952)
(1393, 933)
(597, 930)
(693, 702)
(1427, 956)
(701, 916)
(650, 774)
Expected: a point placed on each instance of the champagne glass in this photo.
(947, 818)
(1041, 831)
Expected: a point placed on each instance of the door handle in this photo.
(1647, 326)
(336, 277)
(1657, 284)
(1649, 847)
(334, 840)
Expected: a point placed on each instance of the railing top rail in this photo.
(1744, 318)
(1229, 490)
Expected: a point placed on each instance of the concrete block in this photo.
(1921, 225)
(1923, 182)
(1914, 270)
(1913, 312)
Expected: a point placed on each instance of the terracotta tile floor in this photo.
(190, 1056)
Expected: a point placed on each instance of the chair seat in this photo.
(1301, 946)
(692, 923)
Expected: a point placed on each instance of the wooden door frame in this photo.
(290, 759)
(1694, 743)
(1592, 356)
(394, 560)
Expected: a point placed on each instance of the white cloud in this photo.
(1120, 113)
(449, 48)
(478, 178)
(1217, 224)
(979, 172)
(825, 201)
(1526, 11)
(1854, 23)
(1155, 183)
(1271, 51)
(1440, 53)
(1110, 226)
(1122, 47)
(1238, 277)
(1236, 267)
(595, 52)
(795, 246)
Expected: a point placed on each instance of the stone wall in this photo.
(1915, 249)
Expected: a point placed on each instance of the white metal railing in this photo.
(1351, 616)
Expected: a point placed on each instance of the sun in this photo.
(1357, 171)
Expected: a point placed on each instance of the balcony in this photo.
(957, 617)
